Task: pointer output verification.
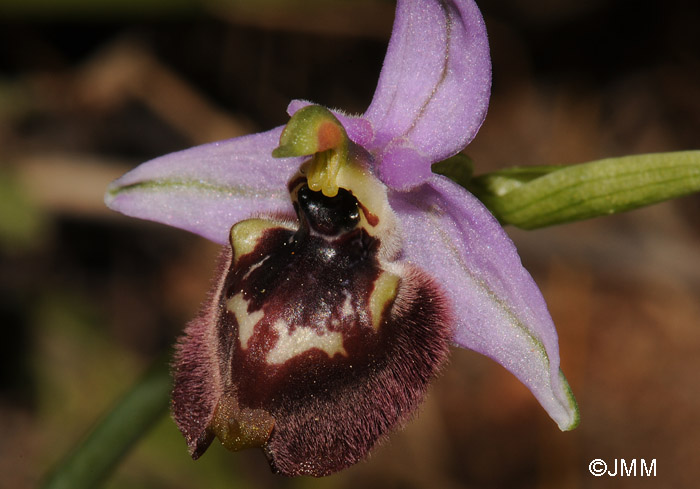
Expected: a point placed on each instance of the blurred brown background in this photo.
(88, 298)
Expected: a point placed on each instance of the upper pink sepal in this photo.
(434, 87)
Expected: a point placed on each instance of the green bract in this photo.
(539, 196)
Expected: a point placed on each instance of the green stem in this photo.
(134, 414)
(538, 196)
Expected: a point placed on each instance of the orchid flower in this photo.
(348, 267)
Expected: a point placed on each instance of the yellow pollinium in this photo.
(314, 130)
(323, 173)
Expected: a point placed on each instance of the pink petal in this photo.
(499, 309)
(208, 188)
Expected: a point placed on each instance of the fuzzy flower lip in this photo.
(430, 101)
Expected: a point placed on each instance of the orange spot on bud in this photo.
(329, 136)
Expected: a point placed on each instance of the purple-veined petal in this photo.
(208, 188)
(358, 129)
(499, 309)
(434, 88)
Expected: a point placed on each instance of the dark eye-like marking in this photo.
(311, 347)
(328, 215)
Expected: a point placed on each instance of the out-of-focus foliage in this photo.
(21, 220)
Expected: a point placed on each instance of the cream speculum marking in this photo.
(321, 343)
(330, 258)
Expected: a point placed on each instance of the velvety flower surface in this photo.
(351, 265)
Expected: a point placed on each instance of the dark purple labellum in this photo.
(309, 347)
